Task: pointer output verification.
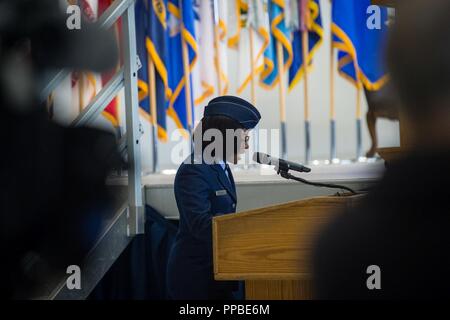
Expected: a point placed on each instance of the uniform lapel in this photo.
(224, 181)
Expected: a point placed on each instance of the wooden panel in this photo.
(272, 243)
(278, 290)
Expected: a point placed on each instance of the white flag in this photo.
(79, 88)
(234, 23)
(257, 22)
(291, 18)
(223, 46)
(212, 61)
(205, 76)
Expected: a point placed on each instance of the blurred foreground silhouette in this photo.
(53, 195)
(403, 225)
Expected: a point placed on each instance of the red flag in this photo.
(88, 11)
(111, 112)
(304, 15)
(87, 81)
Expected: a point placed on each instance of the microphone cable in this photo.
(289, 176)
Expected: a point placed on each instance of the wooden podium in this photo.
(270, 248)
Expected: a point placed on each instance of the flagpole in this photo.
(217, 44)
(332, 107)
(154, 118)
(187, 78)
(253, 86)
(282, 98)
(305, 46)
(333, 153)
(358, 110)
(358, 120)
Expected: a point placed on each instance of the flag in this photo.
(90, 9)
(79, 88)
(88, 84)
(178, 17)
(86, 87)
(75, 91)
(236, 39)
(291, 14)
(304, 15)
(204, 77)
(206, 73)
(142, 16)
(309, 20)
(235, 9)
(222, 68)
(257, 19)
(64, 106)
(279, 32)
(150, 33)
(359, 47)
(151, 36)
(111, 112)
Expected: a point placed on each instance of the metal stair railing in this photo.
(129, 221)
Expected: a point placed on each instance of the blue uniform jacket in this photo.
(202, 191)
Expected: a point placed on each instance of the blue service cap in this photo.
(236, 108)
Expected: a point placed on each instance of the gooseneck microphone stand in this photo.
(284, 172)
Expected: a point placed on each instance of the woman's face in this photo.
(242, 144)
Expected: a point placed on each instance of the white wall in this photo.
(319, 92)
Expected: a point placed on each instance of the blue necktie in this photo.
(226, 168)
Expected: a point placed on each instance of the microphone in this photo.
(280, 164)
(283, 166)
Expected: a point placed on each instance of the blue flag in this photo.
(360, 45)
(177, 19)
(279, 32)
(151, 44)
(315, 35)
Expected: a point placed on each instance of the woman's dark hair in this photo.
(222, 124)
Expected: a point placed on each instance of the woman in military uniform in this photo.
(204, 188)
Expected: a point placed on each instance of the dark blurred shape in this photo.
(43, 24)
(403, 225)
(383, 103)
(418, 55)
(53, 196)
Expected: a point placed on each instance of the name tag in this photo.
(221, 193)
